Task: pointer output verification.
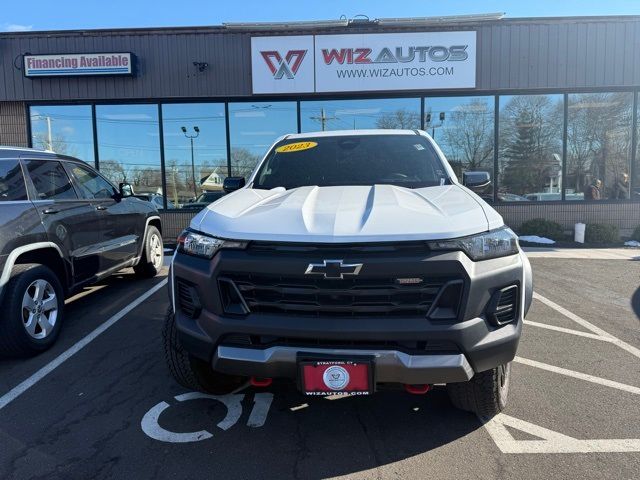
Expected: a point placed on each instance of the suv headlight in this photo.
(493, 244)
(205, 246)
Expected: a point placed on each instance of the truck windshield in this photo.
(403, 160)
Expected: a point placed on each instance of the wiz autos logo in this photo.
(284, 67)
(360, 56)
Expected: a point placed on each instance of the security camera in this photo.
(202, 66)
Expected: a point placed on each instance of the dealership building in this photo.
(547, 106)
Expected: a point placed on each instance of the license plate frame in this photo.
(312, 369)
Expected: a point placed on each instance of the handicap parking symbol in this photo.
(261, 403)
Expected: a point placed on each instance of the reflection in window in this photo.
(464, 130)
(598, 146)
(253, 127)
(50, 180)
(359, 114)
(12, 187)
(635, 194)
(530, 147)
(64, 129)
(93, 186)
(129, 145)
(204, 129)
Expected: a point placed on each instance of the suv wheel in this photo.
(191, 372)
(32, 310)
(485, 394)
(152, 257)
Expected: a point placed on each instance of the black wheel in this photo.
(152, 257)
(485, 394)
(191, 372)
(32, 311)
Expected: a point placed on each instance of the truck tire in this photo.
(32, 311)
(152, 257)
(191, 372)
(485, 394)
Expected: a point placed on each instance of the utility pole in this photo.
(49, 136)
(49, 133)
(323, 119)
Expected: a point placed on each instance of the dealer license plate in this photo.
(336, 377)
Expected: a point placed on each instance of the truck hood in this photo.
(344, 214)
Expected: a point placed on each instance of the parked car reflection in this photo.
(204, 199)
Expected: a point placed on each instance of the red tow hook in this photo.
(261, 382)
(417, 389)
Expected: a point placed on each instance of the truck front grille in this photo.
(265, 293)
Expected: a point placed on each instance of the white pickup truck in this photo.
(346, 262)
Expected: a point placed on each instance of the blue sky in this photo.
(66, 14)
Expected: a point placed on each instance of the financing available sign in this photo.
(78, 64)
(368, 62)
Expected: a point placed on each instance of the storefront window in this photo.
(530, 149)
(635, 193)
(64, 129)
(201, 125)
(253, 127)
(359, 114)
(463, 127)
(129, 146)
(598, 146)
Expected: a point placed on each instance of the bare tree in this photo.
(402, 118)
(599, 138)
(59, 144)
(113, 170)
(243, 162)
(468, 136)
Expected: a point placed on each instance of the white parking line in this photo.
(579, 375)
(568, 330)
(19, 389)
(549, 441)
(588, 325)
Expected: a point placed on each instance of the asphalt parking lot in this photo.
(107, 408)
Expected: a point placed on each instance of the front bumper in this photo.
(475, 344)
(391, 366)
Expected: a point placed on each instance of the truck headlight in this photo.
(493, 244)
(205, 246)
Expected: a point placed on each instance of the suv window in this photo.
(50, 180)
(11, 181)
(92, 184)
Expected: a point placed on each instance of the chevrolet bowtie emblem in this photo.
(333, 269)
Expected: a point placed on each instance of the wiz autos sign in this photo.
(346, 63)
(78, 64)
(282, 64)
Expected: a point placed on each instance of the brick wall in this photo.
(13, 124)
(625, 215)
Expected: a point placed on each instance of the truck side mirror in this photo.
(125, 190)
(476, 179)
(231, 184)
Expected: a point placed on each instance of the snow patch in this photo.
(536, 239)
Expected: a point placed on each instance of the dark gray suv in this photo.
(62, 226)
